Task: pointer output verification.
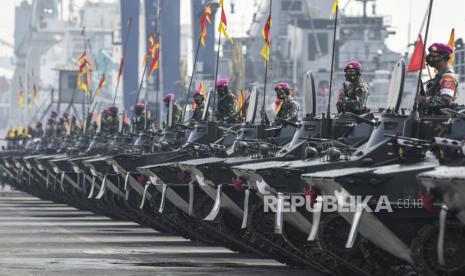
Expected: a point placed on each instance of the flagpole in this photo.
(328, 108)
(266, 71)
(419, 83)
(191, 78)
(122, 58)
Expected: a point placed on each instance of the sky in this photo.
(446, 15)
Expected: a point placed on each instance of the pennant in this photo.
(121, 66)
(35, 96)
(100, 85)
(334, 8)
(21, 98)
(126, 118)
(154, 64)
(21, 94)
(415, 59)
(452, 45)
(277, 105)
(266, 36)
(224, 23)
(240, 104)
(206, 17)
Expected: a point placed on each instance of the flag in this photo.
(334, 8)
(203, 22)
(21, 98)
(155, 55)
(149, 49)
(240, 104)
(21, 94)
(266, 36)
(224, 23)
(277, 105)
(452, 45)
(415, 59)
(100, 85)
(35, 97)
(85, 71)
(121, 66)
(126, 118)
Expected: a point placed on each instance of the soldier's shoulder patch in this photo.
(448, 81)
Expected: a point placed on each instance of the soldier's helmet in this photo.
(54, 114)
(65, 115)
(139, 108)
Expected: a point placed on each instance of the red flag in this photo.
(121, 66)
(203, 22)
(415, 59)
(267, 37)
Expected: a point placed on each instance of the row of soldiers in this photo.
(441, 91)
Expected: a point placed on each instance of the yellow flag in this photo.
(21, 99)
(224, 23)
(452, 45)
(334, 8)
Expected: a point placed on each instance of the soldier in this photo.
(198, 105)
(91, 126)
(177, 110)
(38, 131)
(441, 90)
(353, 95)
(285, 106)
(50, 128)
(138, 121)
(110, 121)
(74, 125)
(226, 108)
(63, 125)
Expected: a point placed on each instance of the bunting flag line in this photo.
(222, 28)
(334, 8)
(452, 45)
(206, 18)
(266, 33)
(415, 59)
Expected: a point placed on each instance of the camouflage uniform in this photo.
(289, 110)
(355, 97)
(441, 92)
(177, 114)
(226, 109)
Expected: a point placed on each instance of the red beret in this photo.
(282, 86)
(440, 48)
(353, 65)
